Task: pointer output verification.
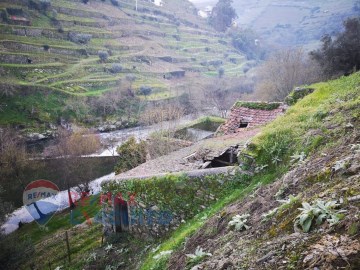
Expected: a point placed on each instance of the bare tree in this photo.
(69, 149)
(282, 72)
(219, 96)
(13, 160)
(13, 156)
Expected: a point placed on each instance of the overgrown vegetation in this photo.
(222, 15)
(131, 155)
(341, 55)
(276, 147)
(258, 105)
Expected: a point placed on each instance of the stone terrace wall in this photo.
(251, 115)
(158, 205)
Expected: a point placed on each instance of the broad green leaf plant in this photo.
(318, 212)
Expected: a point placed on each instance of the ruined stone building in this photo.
(250, 114)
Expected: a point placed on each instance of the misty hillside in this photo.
(290, 22)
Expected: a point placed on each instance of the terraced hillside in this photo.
(49, 52)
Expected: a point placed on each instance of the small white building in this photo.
(158, 3)
(206, 12)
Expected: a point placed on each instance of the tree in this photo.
(70, 147)
(145, 90)
(78, 107)
(116, 68)
(341, 55)
(247, 42)
(282, 72)
(103, 55)
(13, 157)
(222, 15)
(220, 96)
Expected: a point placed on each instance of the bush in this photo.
(145, 90)
(46, 47)
(131, 155)
(41, 5)
(79, 37)
(15, 251)
(85, 1)
(115, 2)
(45, 4)
(116, 68)
(103, 55)
(221, 72)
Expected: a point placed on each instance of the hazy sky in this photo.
(203, 1)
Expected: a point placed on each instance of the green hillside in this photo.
(308, 155)
(49, 53)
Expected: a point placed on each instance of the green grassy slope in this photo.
(324, 128)
(333, 104)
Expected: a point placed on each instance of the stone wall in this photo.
(159, 205)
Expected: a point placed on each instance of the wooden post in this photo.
(67, 245)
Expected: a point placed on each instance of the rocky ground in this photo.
(274, 241)
(190, 158)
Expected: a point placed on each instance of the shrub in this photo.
(145, 90)
(46, 47)
(103, 55)
(61, 30)
(79, 37)
(85, 1)
(221, 72)
(45, 4)
(40, 5)
(116, 68)
(115, 2)
(131, 154)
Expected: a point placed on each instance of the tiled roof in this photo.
(253, 117)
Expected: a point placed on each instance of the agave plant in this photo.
(239, 222)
